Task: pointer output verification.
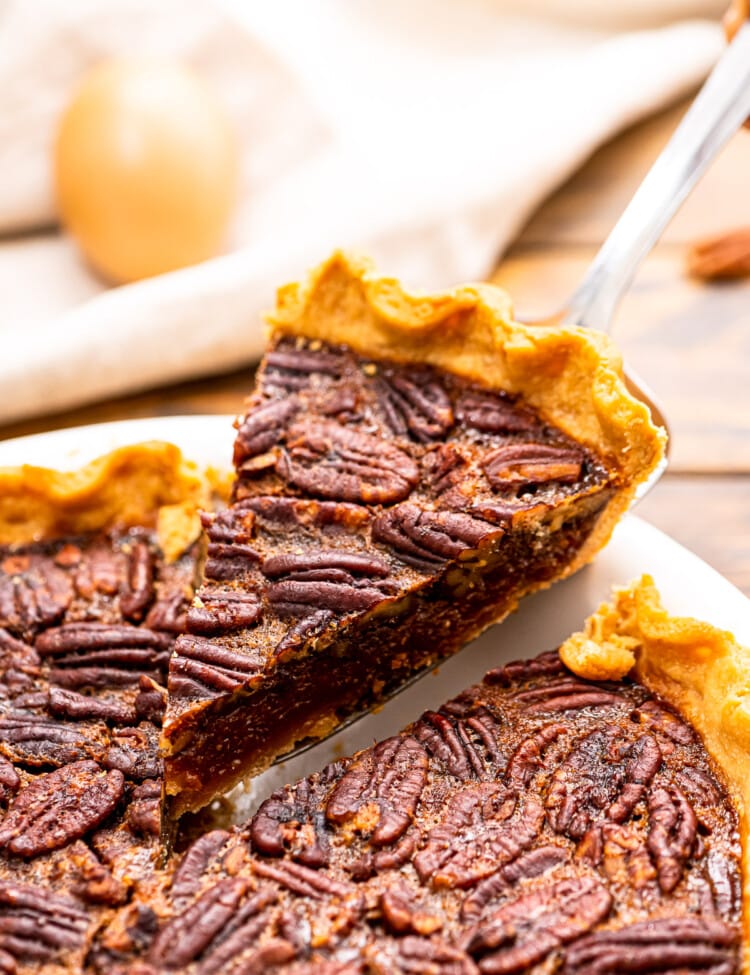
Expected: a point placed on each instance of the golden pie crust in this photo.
(700, 670)
(572, 376)
(149, 484)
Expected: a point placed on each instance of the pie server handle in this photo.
(719, 110)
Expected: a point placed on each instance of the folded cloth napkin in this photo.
(423, 133)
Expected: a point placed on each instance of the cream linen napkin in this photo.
(423, 133)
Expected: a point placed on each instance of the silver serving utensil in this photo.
(720, 108)
(718, 111)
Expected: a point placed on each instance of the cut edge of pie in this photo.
(149, 484)
(572, 376)
(700, 670)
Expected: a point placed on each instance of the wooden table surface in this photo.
(690, 342)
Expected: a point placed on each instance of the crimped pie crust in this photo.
(149, 484)
(700, 670)
(572, 376)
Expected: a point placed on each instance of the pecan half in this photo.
(494, 412)
(641, 761)
(725, 884)
(517, 465)
(262, 428)
(106, 677)
(223, 610)
(102, 655)
(379, 793)
(671, 834)
(545, 665)
(427, 539)
(484, 826)
(10, 781)
(303, 881)
(138, 592)
(37, 926)
(84, 638)
(144, 811)
(59, 807)
(135, 752)
(203, 668)
(567, 694)
(36, 597)
(417, 956)
(402, 912)
(114, 657)
(328, 460)
(601, 780)
(528, 757)
(525, 931)
(686, 944)
(461, 745)
(186, 936)
(325, 559)
(36, 741)
(291, 820)
(532, 864)
(658, 720)
(324, 579)
(287, 369)
(415, 404)
(198, 857)
(83, 707)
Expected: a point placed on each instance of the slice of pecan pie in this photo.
(97, 570)
(407, 468)
(539, 822)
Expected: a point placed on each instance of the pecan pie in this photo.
(407, 468)
(97, 571)
(539, 822)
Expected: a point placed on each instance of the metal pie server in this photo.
(718, 111)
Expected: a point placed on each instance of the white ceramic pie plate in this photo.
(688, 585)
